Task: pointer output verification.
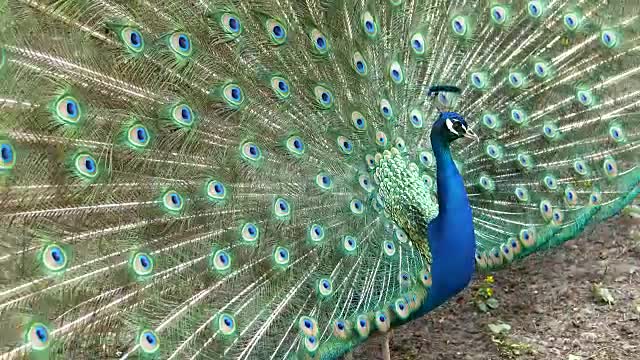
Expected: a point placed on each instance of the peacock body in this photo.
(283, 178)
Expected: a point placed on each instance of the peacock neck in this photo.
(450, 234)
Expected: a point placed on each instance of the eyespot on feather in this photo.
(7, 156)
(38, 336)
(133, 39)
(148, 341)
(142, 264)
(138, 136)
(54, 258)
(277, 31)
(181, 45)
(86, 166)
(227, 324)
(231, 25)
(172, 201)
(319, 42)
(369, 25)
(68, 110)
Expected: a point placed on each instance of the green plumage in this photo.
(203, 179)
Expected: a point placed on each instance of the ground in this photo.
(548, 300)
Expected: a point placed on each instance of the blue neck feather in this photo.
(450, 234)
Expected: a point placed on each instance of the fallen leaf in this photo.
(574, 357)
(603, 294)
(500, 328)
(633, 211)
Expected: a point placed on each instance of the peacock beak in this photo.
(469, 134)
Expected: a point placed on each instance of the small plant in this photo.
(508, 347)
(484, 296)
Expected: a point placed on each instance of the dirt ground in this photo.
(549, 302)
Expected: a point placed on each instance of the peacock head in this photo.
(451, 126)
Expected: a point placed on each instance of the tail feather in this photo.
(188, 179)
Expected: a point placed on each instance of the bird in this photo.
(270, 179)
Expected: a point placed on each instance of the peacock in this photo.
(268, 179)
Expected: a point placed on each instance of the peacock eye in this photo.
(38, 336)
(459, 25)
(381, 139)
(356, 206)
(182, 115)
(417, 43)
(180, 43)
(7, 156)
(359, 63)
(349, 243)
(369, 24)
(68, 110)
(221, 260)
(416, 118)
(231, 24)
(250, 232)
(281, 255)
(277, 31)
(571, 21)
(323, 181)
(395, 72)
(535, 8)
(138, 136)
(86, 166)
(172, 201)
(280, 86)
(345, 145)
(499, 14)
(233, 95)
(358, 120)
(319, 41)
(316, 233)
(142, 264)
(609, 38)
(385, 109)
(226, 324)
(324, 98)
(54, 258)
(132, 39)
(295, 145)
(251, 151)
(281, 208)
(325, 287)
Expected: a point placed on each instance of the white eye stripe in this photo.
(450, 126)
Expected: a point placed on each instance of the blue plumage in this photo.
(451, 234)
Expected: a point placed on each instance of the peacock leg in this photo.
(386, 353)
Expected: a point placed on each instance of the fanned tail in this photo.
(219, 179)
(188, 179)
(553, 89)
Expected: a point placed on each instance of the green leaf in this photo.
(501, 328)
(493, 303)
(482, 306)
